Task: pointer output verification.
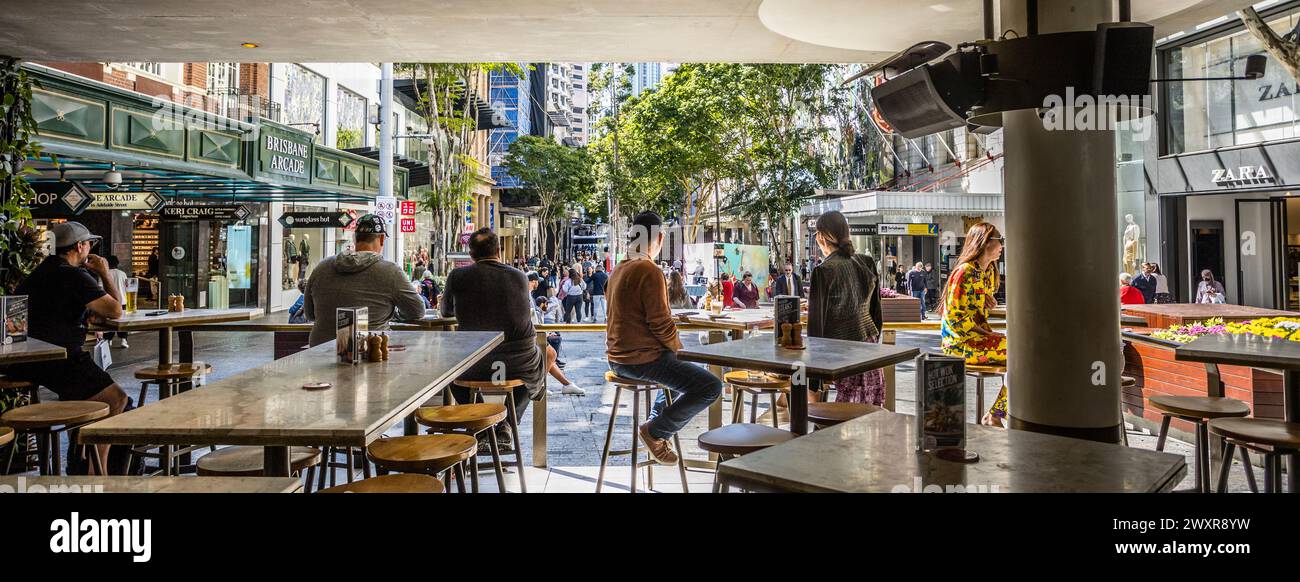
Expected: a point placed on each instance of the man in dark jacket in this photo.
(1145, 282)
(931, 286)
(916, 283)
(598, 281)
(789, 283)
(360, 278)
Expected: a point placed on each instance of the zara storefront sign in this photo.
(1242, 175)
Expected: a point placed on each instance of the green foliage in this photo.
(18, 240)
(349, 138)
(561, 176)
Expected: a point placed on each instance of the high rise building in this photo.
(647, 76)
(509, 95)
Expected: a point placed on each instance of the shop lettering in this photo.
(284, 163)
(1242, 175)
(1271, 92)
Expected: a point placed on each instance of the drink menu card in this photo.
(352, 324)
(940, 402)
(14, 310)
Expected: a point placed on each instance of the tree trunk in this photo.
(1283, 51)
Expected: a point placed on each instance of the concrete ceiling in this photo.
(843, 31)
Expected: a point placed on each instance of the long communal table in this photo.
(877, 454)
(166, 323)
(30, 350)
(267, 406)
(118, 484)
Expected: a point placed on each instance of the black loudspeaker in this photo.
(931, 98)
(1122, 59)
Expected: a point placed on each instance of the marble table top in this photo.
(118, 484)
(30, 350)
(139, 321)
(877, 454)
(267, 405)
(1242, 350)
(824, 359)
(738, 319)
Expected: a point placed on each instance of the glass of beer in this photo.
(131, 289)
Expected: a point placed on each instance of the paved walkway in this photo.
(577, 424)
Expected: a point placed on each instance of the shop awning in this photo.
(860, 203)
(419, 171)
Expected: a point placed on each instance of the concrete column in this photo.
(1065, 355)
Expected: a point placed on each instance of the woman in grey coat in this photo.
(844, 303)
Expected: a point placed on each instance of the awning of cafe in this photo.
(880, 203)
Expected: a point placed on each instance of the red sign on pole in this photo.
(408, 208)
(408, 225)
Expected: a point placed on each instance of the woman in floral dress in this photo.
(965, 305)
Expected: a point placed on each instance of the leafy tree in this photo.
(559, 175)
(19, 240)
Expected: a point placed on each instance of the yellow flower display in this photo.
(1274, 327)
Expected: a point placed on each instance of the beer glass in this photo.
(132, 287)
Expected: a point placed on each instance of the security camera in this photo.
(113, 178)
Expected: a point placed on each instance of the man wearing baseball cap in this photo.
(61, 296)
(360, 278)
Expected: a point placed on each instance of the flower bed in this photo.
(1275, 327)
(1186, 333)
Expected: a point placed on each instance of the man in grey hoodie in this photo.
(360, 278)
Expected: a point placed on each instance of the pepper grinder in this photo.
(383, 346)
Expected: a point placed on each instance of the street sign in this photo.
(59, 199)
(408, 225)
(315, 219)
(147, 201)
(216, 212)
(408, 208)
(386, 208)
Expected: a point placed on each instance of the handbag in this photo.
(101, 354)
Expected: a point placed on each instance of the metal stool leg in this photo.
(1226, 465)
(650, 469)
(681, 455)
(737, 404)
(324, 467)
(56, 453)
(1250, 470)
(753, 408)
(459, 470)
(609, 436)
(1202, 456)
(1164, 432)
(979, 398)
(496, 459)
(636, 433)
(513, 419)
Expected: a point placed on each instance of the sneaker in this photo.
(117, 342)
(124, 344)
(659, 449)
(504, 443)
(573, 390)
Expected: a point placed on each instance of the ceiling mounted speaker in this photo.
(931, 98)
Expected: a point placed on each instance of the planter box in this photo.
(900, 309)
(1163, 315)
(1158, 373)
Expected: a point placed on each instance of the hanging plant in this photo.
(19, 240)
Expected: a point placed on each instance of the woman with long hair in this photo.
(964, 309)
(1162, 285)
(677, 296)
(844, 303)
(573, 288)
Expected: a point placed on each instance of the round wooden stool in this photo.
(824, 414)
(19, 393)
(472, 420)
(739, 439)
(754, 384)
(1274, 439)
(395, 483)
(981, 373)
(48, 420)
(429, 454)
(6, 435)
(9, 384)
(169, 381)
(1197, 410)
(477, 390)
(637, 388)
(246, 461)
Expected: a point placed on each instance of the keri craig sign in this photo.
(285, 153)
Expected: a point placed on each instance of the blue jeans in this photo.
(694, 389)
(920, 295)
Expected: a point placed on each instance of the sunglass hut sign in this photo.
(285, 154)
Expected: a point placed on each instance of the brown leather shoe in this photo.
(661, 450)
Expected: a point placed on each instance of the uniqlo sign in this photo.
(408, 208)
(408, 225)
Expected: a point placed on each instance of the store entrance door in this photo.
(1207, 248)
(179, 269)
(1257, 237)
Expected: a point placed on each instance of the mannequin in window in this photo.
(290, 244)
(304, 254)
(1132, 233)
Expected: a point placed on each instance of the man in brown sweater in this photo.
(642, 343)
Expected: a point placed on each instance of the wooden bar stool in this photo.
(472, 420)
(637, 388)
(477, 390)
(246, 461)
(739, 439)
(426, 454)
(395, 483)
(824, 414)
(755, 384)
(1275, 439)
(48, 420)
(981, 373)
(169, 381)
(20, 393)
(1124, 382)
(1198, 410)
(6, 435)
(21, 386)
